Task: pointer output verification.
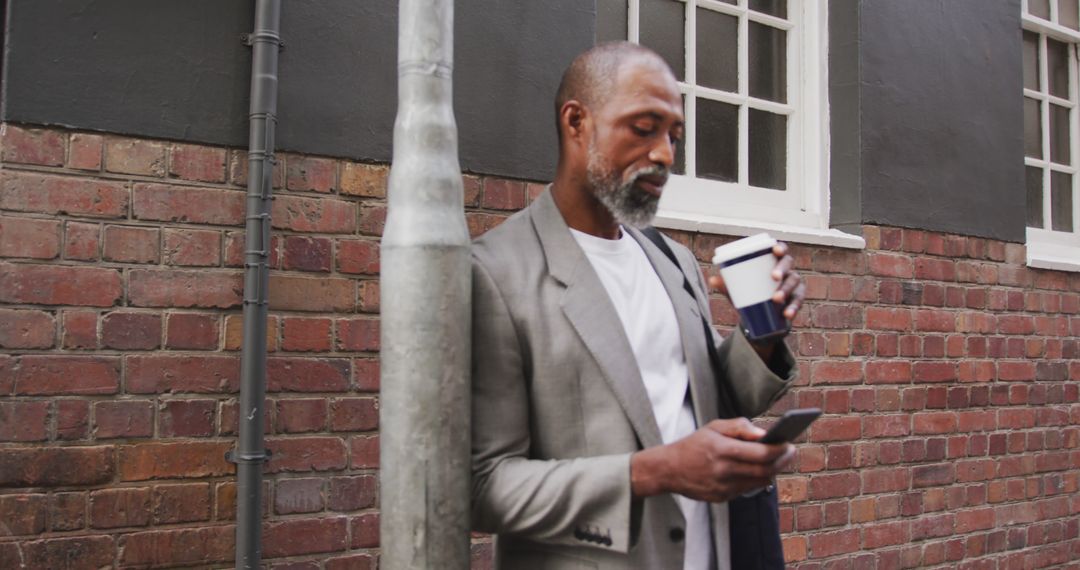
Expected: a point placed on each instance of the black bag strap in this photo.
(728, 404)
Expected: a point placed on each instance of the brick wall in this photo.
(947, 369)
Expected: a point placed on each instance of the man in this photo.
(596, 442)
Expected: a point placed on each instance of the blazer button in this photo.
(677, 534)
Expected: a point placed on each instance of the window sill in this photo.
(1053, 256)
(734, 227)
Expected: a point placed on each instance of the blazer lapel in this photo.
(688, 313)
(592, 315)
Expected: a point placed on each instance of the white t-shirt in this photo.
(648, 317)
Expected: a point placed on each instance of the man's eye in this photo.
(642, 131)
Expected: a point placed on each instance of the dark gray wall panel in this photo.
(845, 189)
(942, 126)
(177, 70)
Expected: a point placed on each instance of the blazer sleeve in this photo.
(755, 387)
(580, 502)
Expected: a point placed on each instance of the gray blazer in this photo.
(559, 405)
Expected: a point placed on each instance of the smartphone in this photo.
(791, 424)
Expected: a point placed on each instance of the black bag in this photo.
(754, 521)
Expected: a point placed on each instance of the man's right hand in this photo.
(715, 463)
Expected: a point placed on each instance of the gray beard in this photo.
(630, 206)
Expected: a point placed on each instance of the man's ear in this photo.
(573, 119)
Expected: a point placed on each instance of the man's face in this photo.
(633, 142)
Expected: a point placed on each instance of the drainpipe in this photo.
(426, 315)
(250, 453)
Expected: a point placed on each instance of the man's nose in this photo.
(663, 152)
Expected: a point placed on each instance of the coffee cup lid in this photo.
(744, 246)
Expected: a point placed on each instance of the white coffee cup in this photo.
(746, 266)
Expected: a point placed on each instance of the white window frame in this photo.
(801, 212)
(1047, 248)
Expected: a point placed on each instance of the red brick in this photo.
(932, 475)
(318, 215)
(368, 180)
(888, 372)
(358, 334)
(934, 269)
(85, 151)
(366, 374)
(234, 250)
(836, 429)
(352, 493)
(170, 203)
(77, 552)
(293, 496)
(228, 411)
(323, 294)
(31, 146)
(80, 329)
(364, 452)
(935, 321)
(360, 562)
(181, 503)
(943, 371)
(238, 169)
(123, 418)
(307, 254)
(46, 194)
(306, 334)
(181, 547)
(501, 194)
(158, 374)
(67, 511)
(234, 332)
(304, 536)
(373, 219)
(72, 419)
(358, 257)
(887, 265)
(191, 331)
(43, 375)
(82, 242)
(307, 374)
(55, 466)
(836, 372)
(131, 244)
(471, 185)
(192, 248)
(310, 174)
(186, 418)
(477, 222)
(23, 514)
(886, 425)
(174, 460)
(888, 319)
(131, 331)
(1012, 371)
(834, 543)
(183, 289)
(369, 297)
(884, 534)
(365, 531)
(885, 480)
(26, 329)
(306, 454)
(29, 237)
(199, 163)
(836, 316)
(23, 421)
(113, 508)
(976, 519)
(832, 485)
(354, 414)
(57, 285)
(300, 416)
(134, 156)
(934, 422)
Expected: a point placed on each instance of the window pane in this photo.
(1057, 67)
(611, 20)
(1032, 129)
(662, 29)
(1059, 135)
(768, 63)
(1068, 15)
(1039, 8)
(717, 140)
(717, 50)
(680, 149)
(1061, 202)
(1031, 60)
(1034, 196)
(768, 150)
(776, 8)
